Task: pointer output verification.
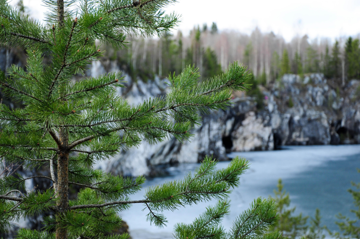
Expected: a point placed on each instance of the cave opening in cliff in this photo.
(346, 135)
(227, 143)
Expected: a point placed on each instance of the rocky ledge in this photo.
(298, 111)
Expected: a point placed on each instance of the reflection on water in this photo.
(315, 177)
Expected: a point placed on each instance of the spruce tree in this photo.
(285, 63)
(335, 63)
(350, 227)
(327, 63)
(287, 225)
(298, 68)
(66, 126)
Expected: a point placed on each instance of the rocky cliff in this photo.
(298, 111)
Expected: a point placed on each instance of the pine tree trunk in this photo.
(62, 183)
(63, 159)
(60, 4)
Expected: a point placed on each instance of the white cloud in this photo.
(319, 18)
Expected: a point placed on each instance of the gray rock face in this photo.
(317, 114)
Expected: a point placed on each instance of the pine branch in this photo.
(21, 76)
(93, 152)
(95, 23)
(30, 38)
(55, 137)
(152, 213)
(142, 17)
(39, 160)
(80, 141)
(34, 77)
(24, 179)
(84, 58)
(199, 176)
(189, 104)
(10, 198)
(14, 190)
(70, 37)
(21, 92)
(135, 4)
(141, 201)
(18, 119)
(28, 147)
(88, 89)
(228, 84)
(65, 53)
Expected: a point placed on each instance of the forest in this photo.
(267, 55)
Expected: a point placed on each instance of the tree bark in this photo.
(62, 184)
(60, 12)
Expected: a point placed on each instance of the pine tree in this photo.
(285, 63)
(66, 126)
(327, 62)
(210, 66)
(352, 57)
(214, 28)
(350, 228)
(335, 63)
(312, 61)
(298, 69)
(288, 225)
(247, 54)
(275, 65)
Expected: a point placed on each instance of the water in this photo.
(315, 177)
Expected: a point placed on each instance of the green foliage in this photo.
(66, 126)
(298, 68)
(275, 65)
(312, 61)
(350, 227)
(262, 79)
(315, 230)
(254, 221)
(247, 54)
(327, 60)
(335, 63)
(214, 28)
(288, 225)
(251, 223)
(207, 225)
(285, 63)
(290, 102)
(352, 57)
(211, 67)
(255, 92)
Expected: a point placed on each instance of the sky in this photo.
(316, 18)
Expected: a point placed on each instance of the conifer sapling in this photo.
(66, 126)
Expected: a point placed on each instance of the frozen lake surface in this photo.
(315, 177)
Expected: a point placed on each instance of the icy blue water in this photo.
(315, 177)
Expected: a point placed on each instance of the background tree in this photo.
(211, 67)
(327, 63)
(350, 228)
(214, 28)
(289, 226)
(247, 55)
(285, 63)
(335, 63)
(66, 126)
(298, 68)
(312, 61)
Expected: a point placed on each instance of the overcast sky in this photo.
(317, 18)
